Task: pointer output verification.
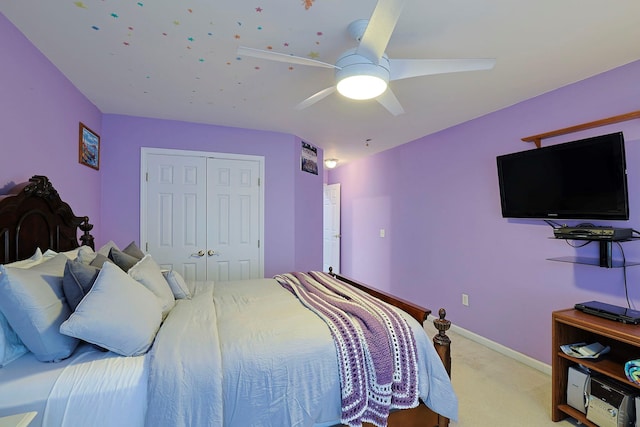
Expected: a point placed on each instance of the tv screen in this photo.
(585, 179)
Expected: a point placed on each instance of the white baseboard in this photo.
(523, 358)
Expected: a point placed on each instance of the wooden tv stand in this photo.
(571, 326)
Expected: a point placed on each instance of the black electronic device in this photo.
(593, 233)
(610, 311)
(584, 179)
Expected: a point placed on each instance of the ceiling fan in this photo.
(365, 71)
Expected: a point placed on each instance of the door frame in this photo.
(146, 151)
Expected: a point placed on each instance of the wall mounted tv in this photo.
(585, 179)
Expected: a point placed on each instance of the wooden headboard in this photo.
(33, 216)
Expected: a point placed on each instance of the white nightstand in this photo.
(18, 420)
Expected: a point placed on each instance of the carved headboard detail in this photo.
(33, 216)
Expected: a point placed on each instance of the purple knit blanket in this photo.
(375, 346)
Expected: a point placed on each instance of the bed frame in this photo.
(32, 215)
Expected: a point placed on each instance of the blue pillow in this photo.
(122, 260)
(77, 281)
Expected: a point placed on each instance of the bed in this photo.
(255, 352)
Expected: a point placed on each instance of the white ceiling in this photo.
(177, 59)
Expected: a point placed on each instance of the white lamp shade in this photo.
(331, 163)
(362, 87)
(359, 78)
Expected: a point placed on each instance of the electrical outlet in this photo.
(465, 299)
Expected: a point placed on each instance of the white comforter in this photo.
(276, 363)
(244, 353)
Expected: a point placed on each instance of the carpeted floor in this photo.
(497, 391)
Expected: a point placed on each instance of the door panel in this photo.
(176, 220)
(233, 201)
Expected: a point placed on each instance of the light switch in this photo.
(382, 232)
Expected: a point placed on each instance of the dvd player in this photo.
(593, 233)
(609, 311)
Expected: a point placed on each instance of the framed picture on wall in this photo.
(89, 149)
(309, 158)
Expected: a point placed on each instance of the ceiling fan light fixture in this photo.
(359, 78)
(362, 87)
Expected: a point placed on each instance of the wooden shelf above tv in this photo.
(537, 139)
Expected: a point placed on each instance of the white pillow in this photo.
(49, 253)
(10, 345)
(147, 272)
(34, 259)
(86, 254)
(177, 284)
(34, 304)
(72, 254)
(118, 314)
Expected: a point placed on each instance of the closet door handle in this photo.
(199, 254)
(211, 252)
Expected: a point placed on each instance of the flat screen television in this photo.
(585, 179)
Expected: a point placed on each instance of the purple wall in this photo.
(39, 115)
(437, 198)
(290, 244)
(40, 111)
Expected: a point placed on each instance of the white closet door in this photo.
(233, 206)
(202, 215)
(176, 217)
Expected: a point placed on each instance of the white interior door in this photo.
(176, 217)
(202, 215)
(331, 228)
(233, 204)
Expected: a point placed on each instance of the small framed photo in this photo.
(89, 149)
(309, 158)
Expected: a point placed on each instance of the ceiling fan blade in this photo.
(281, 57)
(381, 25)
(407, 68)
(316, 97)
(389, 101)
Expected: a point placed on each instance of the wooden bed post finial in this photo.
(441, 341)
(442, 325)
(86, 238)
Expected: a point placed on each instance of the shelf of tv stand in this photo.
(605, 251)
(616, 263)
(571, 326)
